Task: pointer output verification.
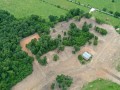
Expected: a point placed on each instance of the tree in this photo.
(53, 18)
(113, 0)
(72, 26)
(104, 9)
(64, 82)
(77, 48)
(55, 57)
(61, 47)
(85, 27)
(43, 61)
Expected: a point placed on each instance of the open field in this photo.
(101, 84)
(28, 7)
(100, 4)
(101, 65)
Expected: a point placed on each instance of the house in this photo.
(86, 55)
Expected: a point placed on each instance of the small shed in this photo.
(92, 10)
(86, 55)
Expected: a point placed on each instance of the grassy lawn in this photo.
(25, 8)
(101, 85)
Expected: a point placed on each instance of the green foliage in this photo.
(61, 48)
(77, 48)
(85, 27)
(95, 42)
(42, 61)
(88, 15)
(43, 45)
(64, 82)
(53, 18)
(73, 26)
(77, 37)
(99, 21)
(55, 57)
(80, 58)
(104, 9)
(101, 30)
(53, 86)
(15, 64)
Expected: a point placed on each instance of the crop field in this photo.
(23, 9)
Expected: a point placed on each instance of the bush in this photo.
(55, 57)
(95, 42)
(64, 82)
(80, 58)
(99, 21)
(101, 31)
(53, 86)
(43, 61)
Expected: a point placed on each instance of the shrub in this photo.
(55, 57)
(101, 31)
(64, 82)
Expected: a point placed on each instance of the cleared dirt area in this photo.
(101, 65)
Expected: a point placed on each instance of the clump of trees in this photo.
(101, 30)
(15, 64)
(77, 37)
(64, 82)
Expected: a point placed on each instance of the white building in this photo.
(86, 55)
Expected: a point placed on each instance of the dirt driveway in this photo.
(101, 65)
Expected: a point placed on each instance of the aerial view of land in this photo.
(59, 44)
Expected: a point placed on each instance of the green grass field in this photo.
(26, 8)
(101, 85)
(100, 4)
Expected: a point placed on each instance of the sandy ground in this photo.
(101, 66)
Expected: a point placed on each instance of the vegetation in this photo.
(15, 64)
(42, 61)
(101, 30)
(99, 21)
(64, 82)
(101, 84)
(95, 42)
(81, 59)
(77, 37)
(55, 57)
(53, 86)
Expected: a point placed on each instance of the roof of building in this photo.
(86, 55)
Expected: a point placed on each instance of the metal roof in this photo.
(86, 55)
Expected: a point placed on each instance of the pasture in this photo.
(22, 9)
(101, 84)
(26, 8)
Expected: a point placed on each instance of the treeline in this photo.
(70, 14)
(15, 64)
